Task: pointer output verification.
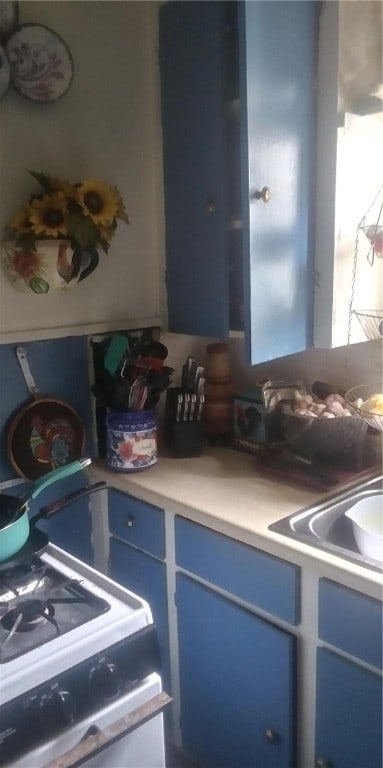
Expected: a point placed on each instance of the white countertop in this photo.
(224, 490)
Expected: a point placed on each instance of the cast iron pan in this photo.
(38, 540)
(45, 434)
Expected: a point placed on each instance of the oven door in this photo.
(144, 746)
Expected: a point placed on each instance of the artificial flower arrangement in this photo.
(83, 215)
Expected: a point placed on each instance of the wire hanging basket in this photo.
(371, 321)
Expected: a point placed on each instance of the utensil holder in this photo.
(131, 440)
(183, 437)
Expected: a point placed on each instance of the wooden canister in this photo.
(219, 393)
(217, 363)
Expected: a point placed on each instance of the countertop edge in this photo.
(227, 507)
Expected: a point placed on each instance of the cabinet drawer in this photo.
(137, 522)
(266, 581)
(351, 621)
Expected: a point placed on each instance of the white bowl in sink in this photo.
(367, 521)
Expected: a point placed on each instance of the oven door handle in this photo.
(96, 742)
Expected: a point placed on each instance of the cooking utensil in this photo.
(37, 540)
(45, 433)
(154, 349)
(137, 395)
(367, 522)
(118, 347)
(14, 520)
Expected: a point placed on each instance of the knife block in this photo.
(182, 438)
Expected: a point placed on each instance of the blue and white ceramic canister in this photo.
(131, 440)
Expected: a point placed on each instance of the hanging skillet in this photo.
(45, 434)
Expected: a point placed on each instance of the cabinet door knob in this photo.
(263, 194)
(131, 521)
(320, 763)
(271, 735)
(210, 206)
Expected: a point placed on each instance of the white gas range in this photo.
(78, 652)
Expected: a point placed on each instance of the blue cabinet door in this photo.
(193, 128)
(146, 576)
(237, 678)
(277, 74)
(349, 714)
(238, 110)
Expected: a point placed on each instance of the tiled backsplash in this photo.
(344, 367)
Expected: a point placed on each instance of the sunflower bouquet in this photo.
(53, 241)
(85, 213)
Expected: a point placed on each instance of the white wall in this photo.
(106, 126)
(344, 366)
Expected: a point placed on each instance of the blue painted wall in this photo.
(60, 370)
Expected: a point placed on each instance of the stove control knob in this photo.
(104, 681)
(56, 710)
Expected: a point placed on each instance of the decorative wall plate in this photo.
(9, 16)
(41, 63)
(5, 72)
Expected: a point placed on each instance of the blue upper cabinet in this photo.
(193, 125)
(238, 114)
(277, 96)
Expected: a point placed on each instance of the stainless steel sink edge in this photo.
(298, 525)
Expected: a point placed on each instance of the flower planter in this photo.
(52, 265)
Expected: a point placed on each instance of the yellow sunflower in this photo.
(21, 223)
(63, 186)
(106, 233)
(99, 201)
(48, 215)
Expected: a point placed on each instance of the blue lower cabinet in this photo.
(146, 576)
(237, 683)
(349, 714)
(341, 610)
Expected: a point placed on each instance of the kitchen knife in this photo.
(186, 406)
(179, 407)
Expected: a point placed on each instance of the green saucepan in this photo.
(14, 519)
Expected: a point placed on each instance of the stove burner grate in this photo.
(27, 615)
(38, 603)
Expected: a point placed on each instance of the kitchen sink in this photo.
(326, 527)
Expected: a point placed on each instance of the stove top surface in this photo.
(38, 603)
(56, 611)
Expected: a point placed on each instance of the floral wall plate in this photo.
(41, 63)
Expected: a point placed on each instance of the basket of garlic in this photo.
(321, 428)
(367, 402)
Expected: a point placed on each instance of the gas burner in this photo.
(28, 615)
(19, 578)
(16, 574)
(38, 603)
